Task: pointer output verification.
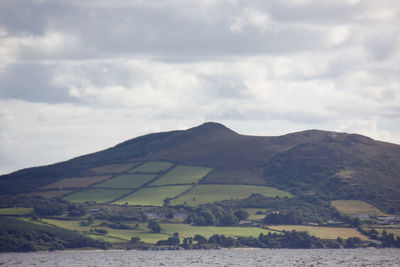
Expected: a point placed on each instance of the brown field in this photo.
(77, 182)
(322, 232)
(114, 168)
(356, 207)
(50, 193)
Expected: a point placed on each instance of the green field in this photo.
(153, 167)
(77, 182)
(16, 211)
(127, 181)
(153, 196)
(322, 232)
(203, 194)
(96, 194)
(183, 175)
(184, 230)
(253, 213)
(356, 207)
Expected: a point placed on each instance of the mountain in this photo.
(332, 165)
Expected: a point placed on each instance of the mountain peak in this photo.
(211, 127)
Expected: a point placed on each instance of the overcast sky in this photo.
(80, 76)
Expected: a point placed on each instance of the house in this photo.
(244, 222)
(154, 215)
(93, 211)
(181, 216)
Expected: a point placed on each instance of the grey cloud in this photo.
(31, 82)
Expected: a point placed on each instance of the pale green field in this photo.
(153, 167)
(97, 194)
(252, 214)
(183, 175)
(322, 232)
(184, 230)
(153, 196)
(356, 207)
(203, 194)
(127, 181)
(16, 211)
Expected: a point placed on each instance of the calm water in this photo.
(257, 257)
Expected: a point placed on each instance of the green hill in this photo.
(328, 165)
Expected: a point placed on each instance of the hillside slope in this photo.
(330, 164)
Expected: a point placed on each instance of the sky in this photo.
(80, 76)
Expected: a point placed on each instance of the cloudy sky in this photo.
(80, 76)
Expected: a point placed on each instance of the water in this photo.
(234, 257)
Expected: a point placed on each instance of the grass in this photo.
(77, 182)
(153, 167)
(97, 194)
(356, 207)
(253, 216)
(183, 175)
(203, 194)
(127, 181)
(113, 168)
(186, 230)
(50, 193)
(153, 196)
(16, 211)
(322, 232)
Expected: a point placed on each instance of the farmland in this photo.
(50, 193)
(77, 182)
(203, 194)
(153, 196)
(98, 195)
(16, 211)
(322, 232)
(127, 181)
(113, 168)
(153, 167)
(356, 207)
(183, 175)
(184, 230)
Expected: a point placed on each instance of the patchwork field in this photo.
(183, 175)
(96, 194)
(203, 194)
(356, 207)
(184, 230)
(153, 167)
(77, 182)
(153, 196)
(50, 193)
(16, 211)
(113, 168)
(127, 181)
(322, 232)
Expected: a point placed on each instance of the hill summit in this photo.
(332, 165)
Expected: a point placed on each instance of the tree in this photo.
(241, 214)
(154, 226)
(135, 240)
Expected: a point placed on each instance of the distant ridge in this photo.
(333, 165)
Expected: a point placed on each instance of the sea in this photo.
(223, 257)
